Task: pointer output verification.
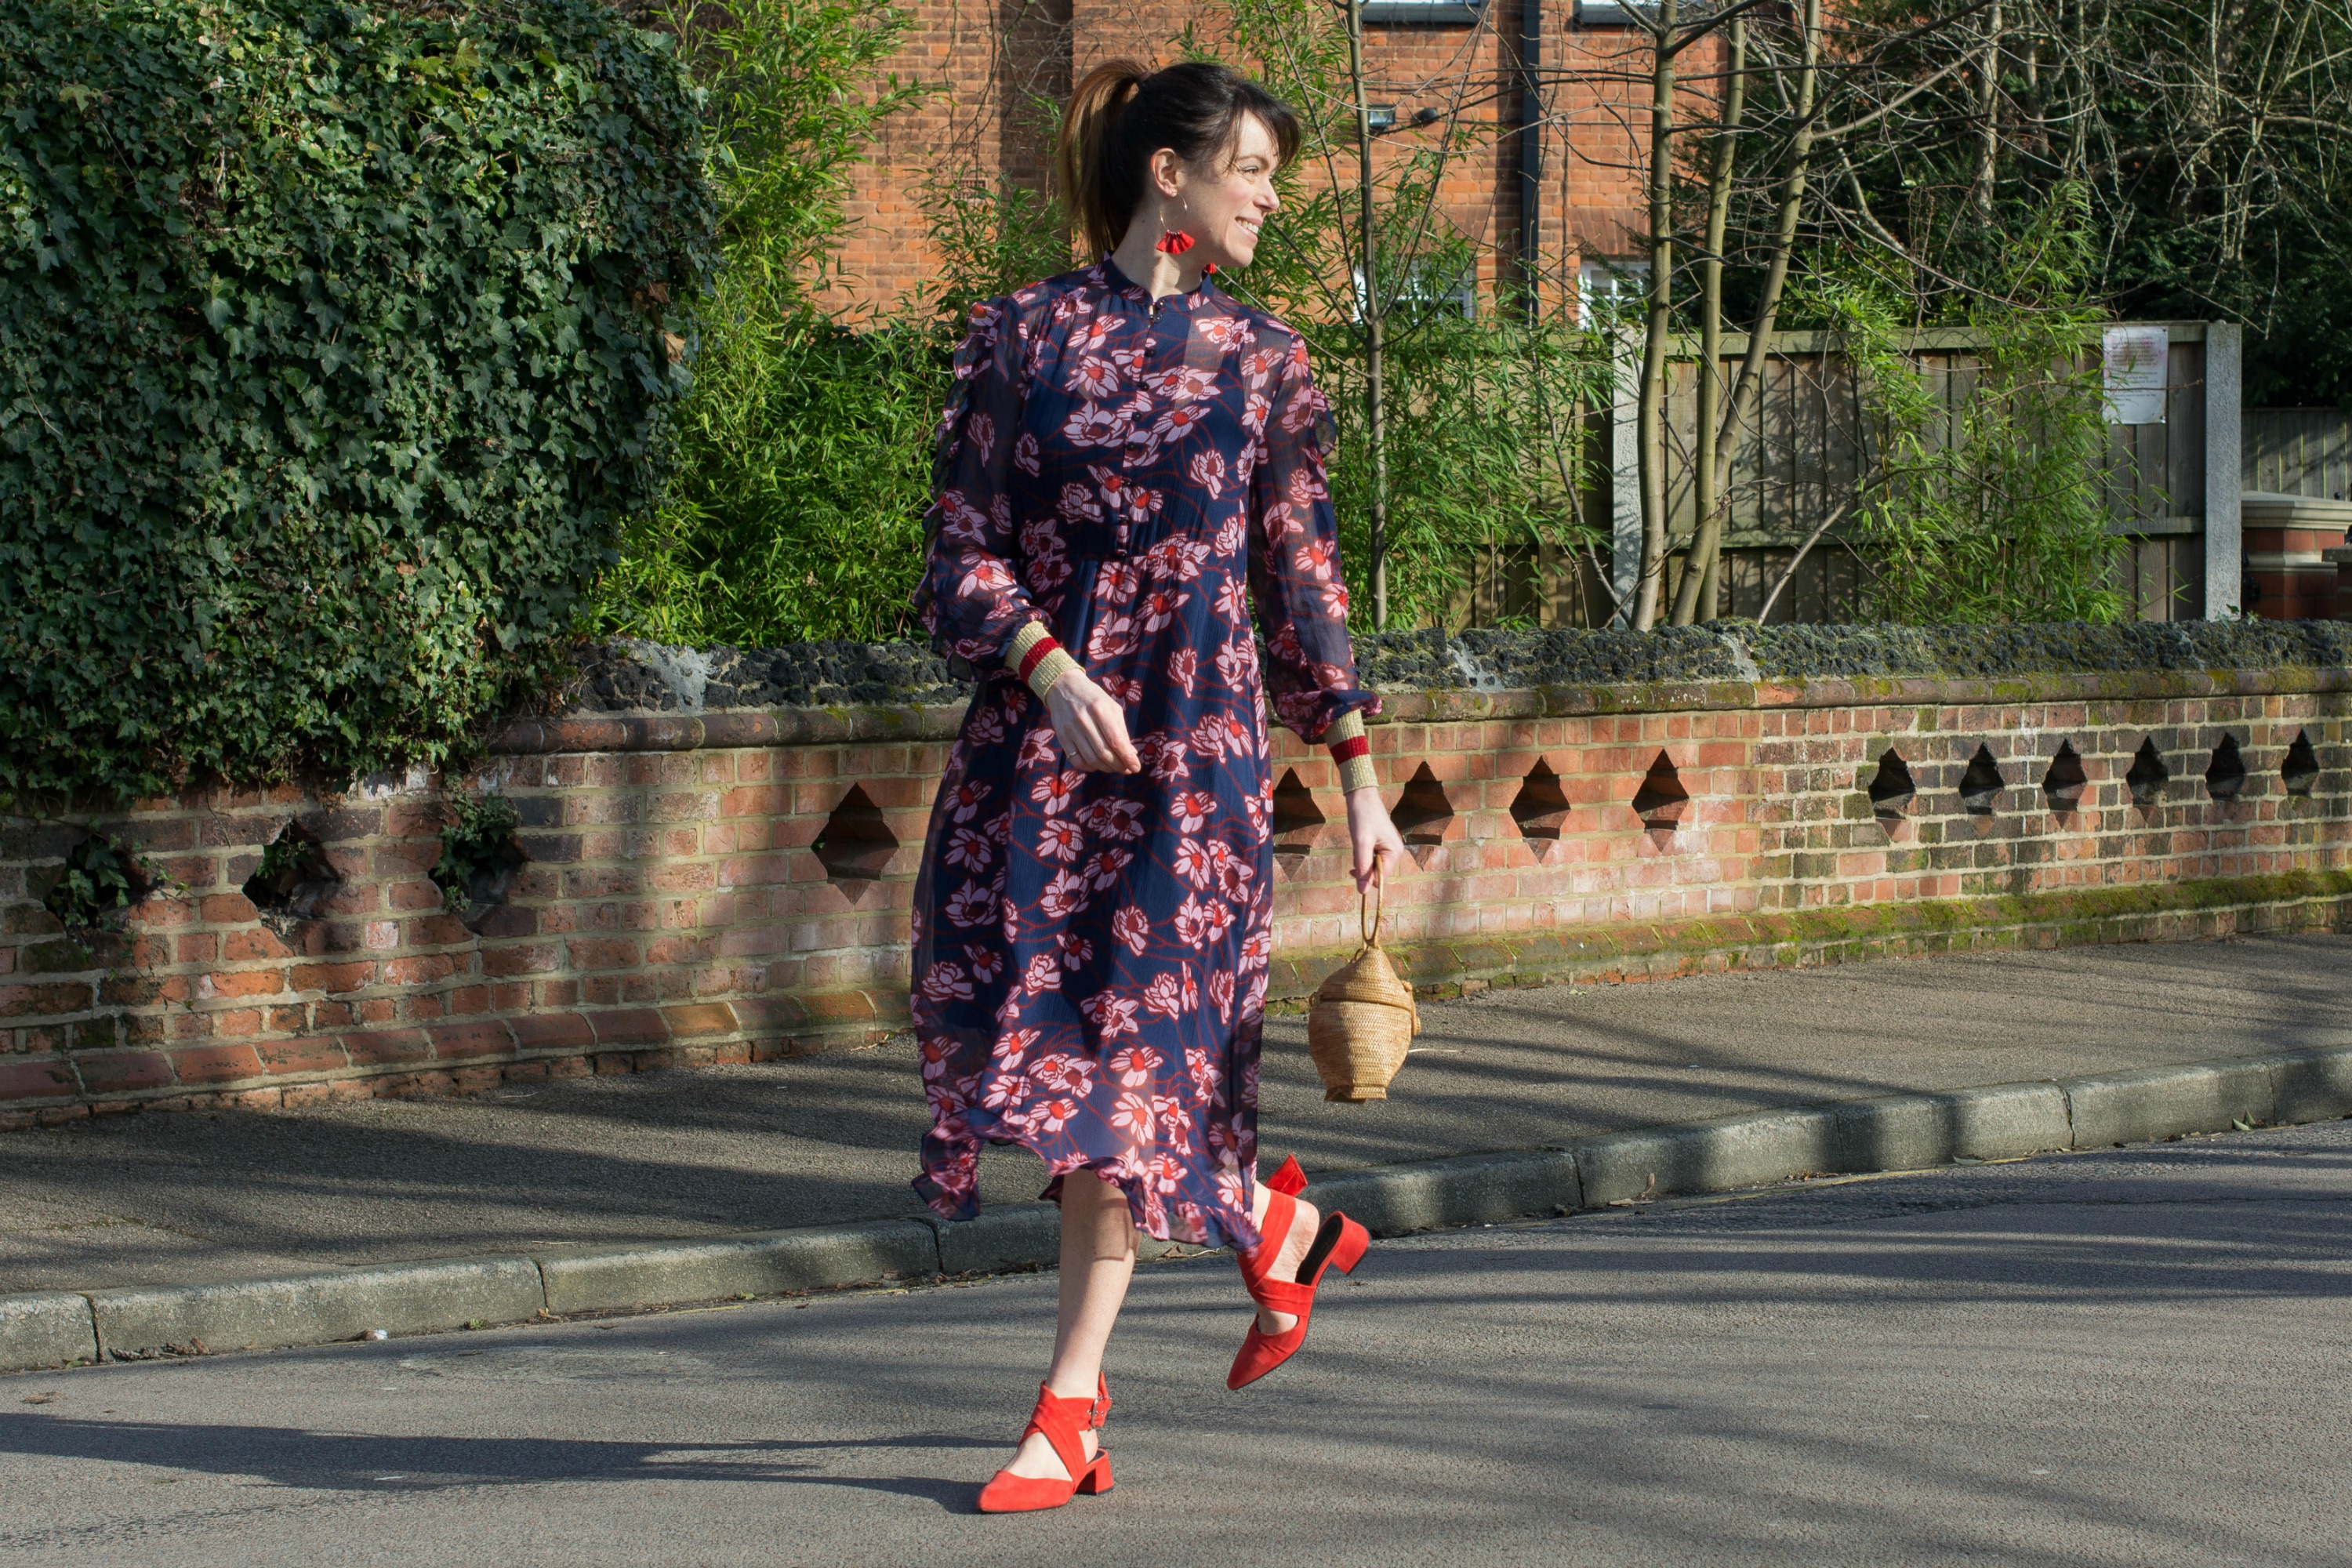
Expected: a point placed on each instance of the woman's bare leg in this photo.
(1098, 1261)
(1294, 1246)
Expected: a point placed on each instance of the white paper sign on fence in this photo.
(2132, 374)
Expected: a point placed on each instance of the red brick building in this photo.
(1568, 152)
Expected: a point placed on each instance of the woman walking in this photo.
(1130, 464)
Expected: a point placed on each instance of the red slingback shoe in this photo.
(1339, 1244)
(1062, 1421)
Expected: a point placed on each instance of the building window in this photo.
(1610, 290)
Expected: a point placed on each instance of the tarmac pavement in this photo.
(2127, 1357)
(193, 1198)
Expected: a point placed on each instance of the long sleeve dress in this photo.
(1123, 482)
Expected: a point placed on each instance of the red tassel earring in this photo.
(1175, 241)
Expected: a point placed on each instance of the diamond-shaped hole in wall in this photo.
(2225, 775)
(1981, 786)
(1423, 811)
(1540, 808)
(856, 843)
(294, 880)
(1891, 789)
(1298, 820)
(1661, 800)
(2300, 772)
(2063, 784)
(2148, 777)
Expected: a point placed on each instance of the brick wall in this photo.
(734, 886)
(990, 60)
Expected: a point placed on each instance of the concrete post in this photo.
(1625, 478)
(2223, 546)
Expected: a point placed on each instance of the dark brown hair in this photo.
(1120, 115)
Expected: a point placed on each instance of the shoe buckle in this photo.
(1097, 1412)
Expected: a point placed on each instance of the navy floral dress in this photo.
(1090, 949)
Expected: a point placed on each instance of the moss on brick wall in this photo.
(622, 677)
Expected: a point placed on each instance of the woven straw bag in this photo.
(1363, 1019)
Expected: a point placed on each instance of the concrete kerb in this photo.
(1894, 1132)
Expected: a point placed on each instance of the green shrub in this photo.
(333, 352)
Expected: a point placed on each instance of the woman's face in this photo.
(1223, 208)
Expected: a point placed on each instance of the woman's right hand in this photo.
(1091, 725)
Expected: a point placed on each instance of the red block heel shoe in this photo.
(1062, 1421)
(1339, 1244)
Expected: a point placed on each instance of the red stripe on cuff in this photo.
(1349, 750)
(1042, 646)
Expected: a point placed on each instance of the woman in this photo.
(1131, 461)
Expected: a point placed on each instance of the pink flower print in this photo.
(1132, 929)
(1253, 997)
(1167, 1110)
(1160, 607)
(969, 848)
(1104, 866)
(1177, 423)
(1232, 872)
(1198, 924)
(987, 577)
(986, 962)
(1053, 1115)
(987, 727)
(1059, 838)
(1063, 897)
(1093, 425)
(1316, 558)
(1255, 408)
(1232, 607)
(1120, 686)
(1221, 990)
(971, 905)
(1208, 471)
(1176, 559)
(1333, 597)
(1184, 669)
(1093, 377)
(1064, 1074)
(1134, 1065)
(1192, 862)
(1229, 536)
(1306, 488)
(1185, 385)
(1043, 974)
(1257, 948)
(1209, 738)
(1024, 454)
(1132, 1113)
(1004, 1089)
(1078, 504)
(960, 520)
(1257, 369)
(980, 428)
(1226, 331)
(1167, 762)
(1204, 1070)
(1113, 819)
(1112, 637)
(1116, 582)
(1076, 951)
(1191, 990)
(1161, 996)
(1000, 828)
(1193, 807)
(1163, 1172)
(1037, 748)
(946, 981)
(966, 800)
(1237, 663)
(1054, 791)
(1232, 1196)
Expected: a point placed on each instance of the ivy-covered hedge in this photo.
(333, 351)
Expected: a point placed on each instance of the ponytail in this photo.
(1120, 115)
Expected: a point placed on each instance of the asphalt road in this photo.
(2134, 1357)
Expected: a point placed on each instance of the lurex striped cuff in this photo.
(1038, 659)
(1351, 751)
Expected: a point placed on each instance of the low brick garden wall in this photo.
(732, 884)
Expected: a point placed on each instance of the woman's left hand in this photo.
(1374, 836)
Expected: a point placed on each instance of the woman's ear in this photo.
(1168, 172)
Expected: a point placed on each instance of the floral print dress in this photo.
(1090, 949)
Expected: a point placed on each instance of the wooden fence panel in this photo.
(2298, 452)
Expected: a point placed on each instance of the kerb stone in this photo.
(1706, 1156)
(141, 1320)
(47, 1328)
(765, 1263)
(2165, 1102)
(1919, 1132)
